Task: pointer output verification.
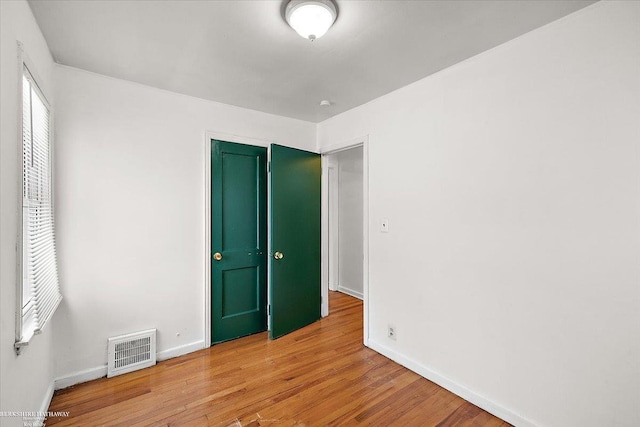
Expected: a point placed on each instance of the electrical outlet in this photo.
(391, 332)
(384, 225)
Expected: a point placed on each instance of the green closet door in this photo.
(238, 240)
(295, 239)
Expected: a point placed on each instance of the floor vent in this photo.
(131, 352)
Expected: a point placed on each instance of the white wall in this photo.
(350, 168)
(130, 205)
(512, 185)
(25, 380)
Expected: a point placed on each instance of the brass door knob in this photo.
(217, 256)
(278, 255)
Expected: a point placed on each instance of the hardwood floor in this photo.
(319, 375)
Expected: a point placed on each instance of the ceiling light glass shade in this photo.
(311, 19)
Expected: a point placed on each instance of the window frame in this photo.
(25, 324)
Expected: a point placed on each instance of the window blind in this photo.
(40, 286)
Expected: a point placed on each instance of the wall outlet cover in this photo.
(391, 332)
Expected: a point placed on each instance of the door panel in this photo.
(239, 201)
(295, 232)
(239, 235)
(240, 282)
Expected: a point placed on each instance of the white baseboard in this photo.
(44, 407)
(180, 350)
(351, 292)
(80, 377)
(101, 371)
(454, 387)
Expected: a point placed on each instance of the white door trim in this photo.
(209, 135)
(332, 149)
(333, 219)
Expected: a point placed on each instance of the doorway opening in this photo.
(345, 185)
(345, 224)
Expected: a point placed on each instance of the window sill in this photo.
(26, 338)
(28, 328)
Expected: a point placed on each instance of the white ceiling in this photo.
(243, 53)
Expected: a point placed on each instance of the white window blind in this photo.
(40, 294)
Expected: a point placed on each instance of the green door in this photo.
(295, 239)
(238, 240)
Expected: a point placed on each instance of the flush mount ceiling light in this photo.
(311, 18)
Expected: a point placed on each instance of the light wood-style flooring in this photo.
(320, 375)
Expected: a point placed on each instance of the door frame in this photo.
(333, 221)
(209, 135)
(363, 142)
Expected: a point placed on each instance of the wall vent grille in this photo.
(131, 352)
